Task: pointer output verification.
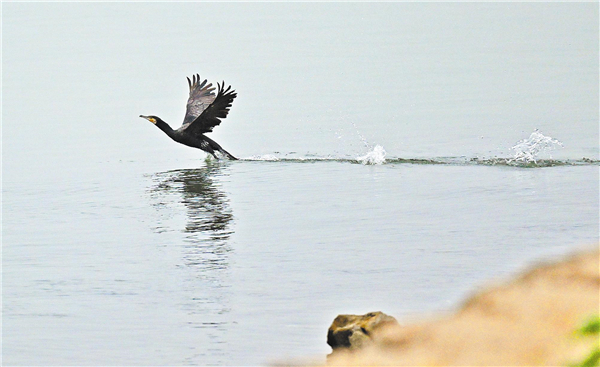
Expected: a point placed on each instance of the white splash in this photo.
(264, 157)
(528, 150)
(374, 156)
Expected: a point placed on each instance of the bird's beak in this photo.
(148, 118)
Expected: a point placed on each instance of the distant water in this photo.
(394, 157)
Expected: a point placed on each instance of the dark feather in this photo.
(201, 96)
(211, 116)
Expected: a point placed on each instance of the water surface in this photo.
(395, 157)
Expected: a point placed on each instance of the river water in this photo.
(394, 157)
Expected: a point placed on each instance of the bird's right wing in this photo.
(213, 114)
(201, 96)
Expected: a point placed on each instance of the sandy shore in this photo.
(529, 320)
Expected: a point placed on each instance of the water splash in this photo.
(528, 153)
(361, 136)
(264, 157)
(374, 156)
(528, 150)
(377, 155)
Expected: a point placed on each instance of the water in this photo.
(527, 150)
(392, 159)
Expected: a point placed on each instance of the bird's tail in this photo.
(214, 146)
(227, 154)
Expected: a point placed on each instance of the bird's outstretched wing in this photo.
(201, 96)
(213, 114)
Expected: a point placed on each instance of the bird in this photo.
(204, 111)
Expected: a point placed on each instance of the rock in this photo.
(356, 331)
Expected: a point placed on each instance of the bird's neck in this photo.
(165, 127)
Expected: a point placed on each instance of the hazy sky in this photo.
(418, 78)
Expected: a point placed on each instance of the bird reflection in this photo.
(205, 288)
(209, 216)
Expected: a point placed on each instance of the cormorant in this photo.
(203, 113)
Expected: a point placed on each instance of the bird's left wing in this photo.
(201, 96)
(213, 114)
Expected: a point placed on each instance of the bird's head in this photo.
(152, 119)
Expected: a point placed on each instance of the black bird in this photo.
(203, 113)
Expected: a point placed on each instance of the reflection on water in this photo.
(208, 207)
(205, 250)
(209, 217)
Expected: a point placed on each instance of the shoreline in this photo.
(529, 319)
